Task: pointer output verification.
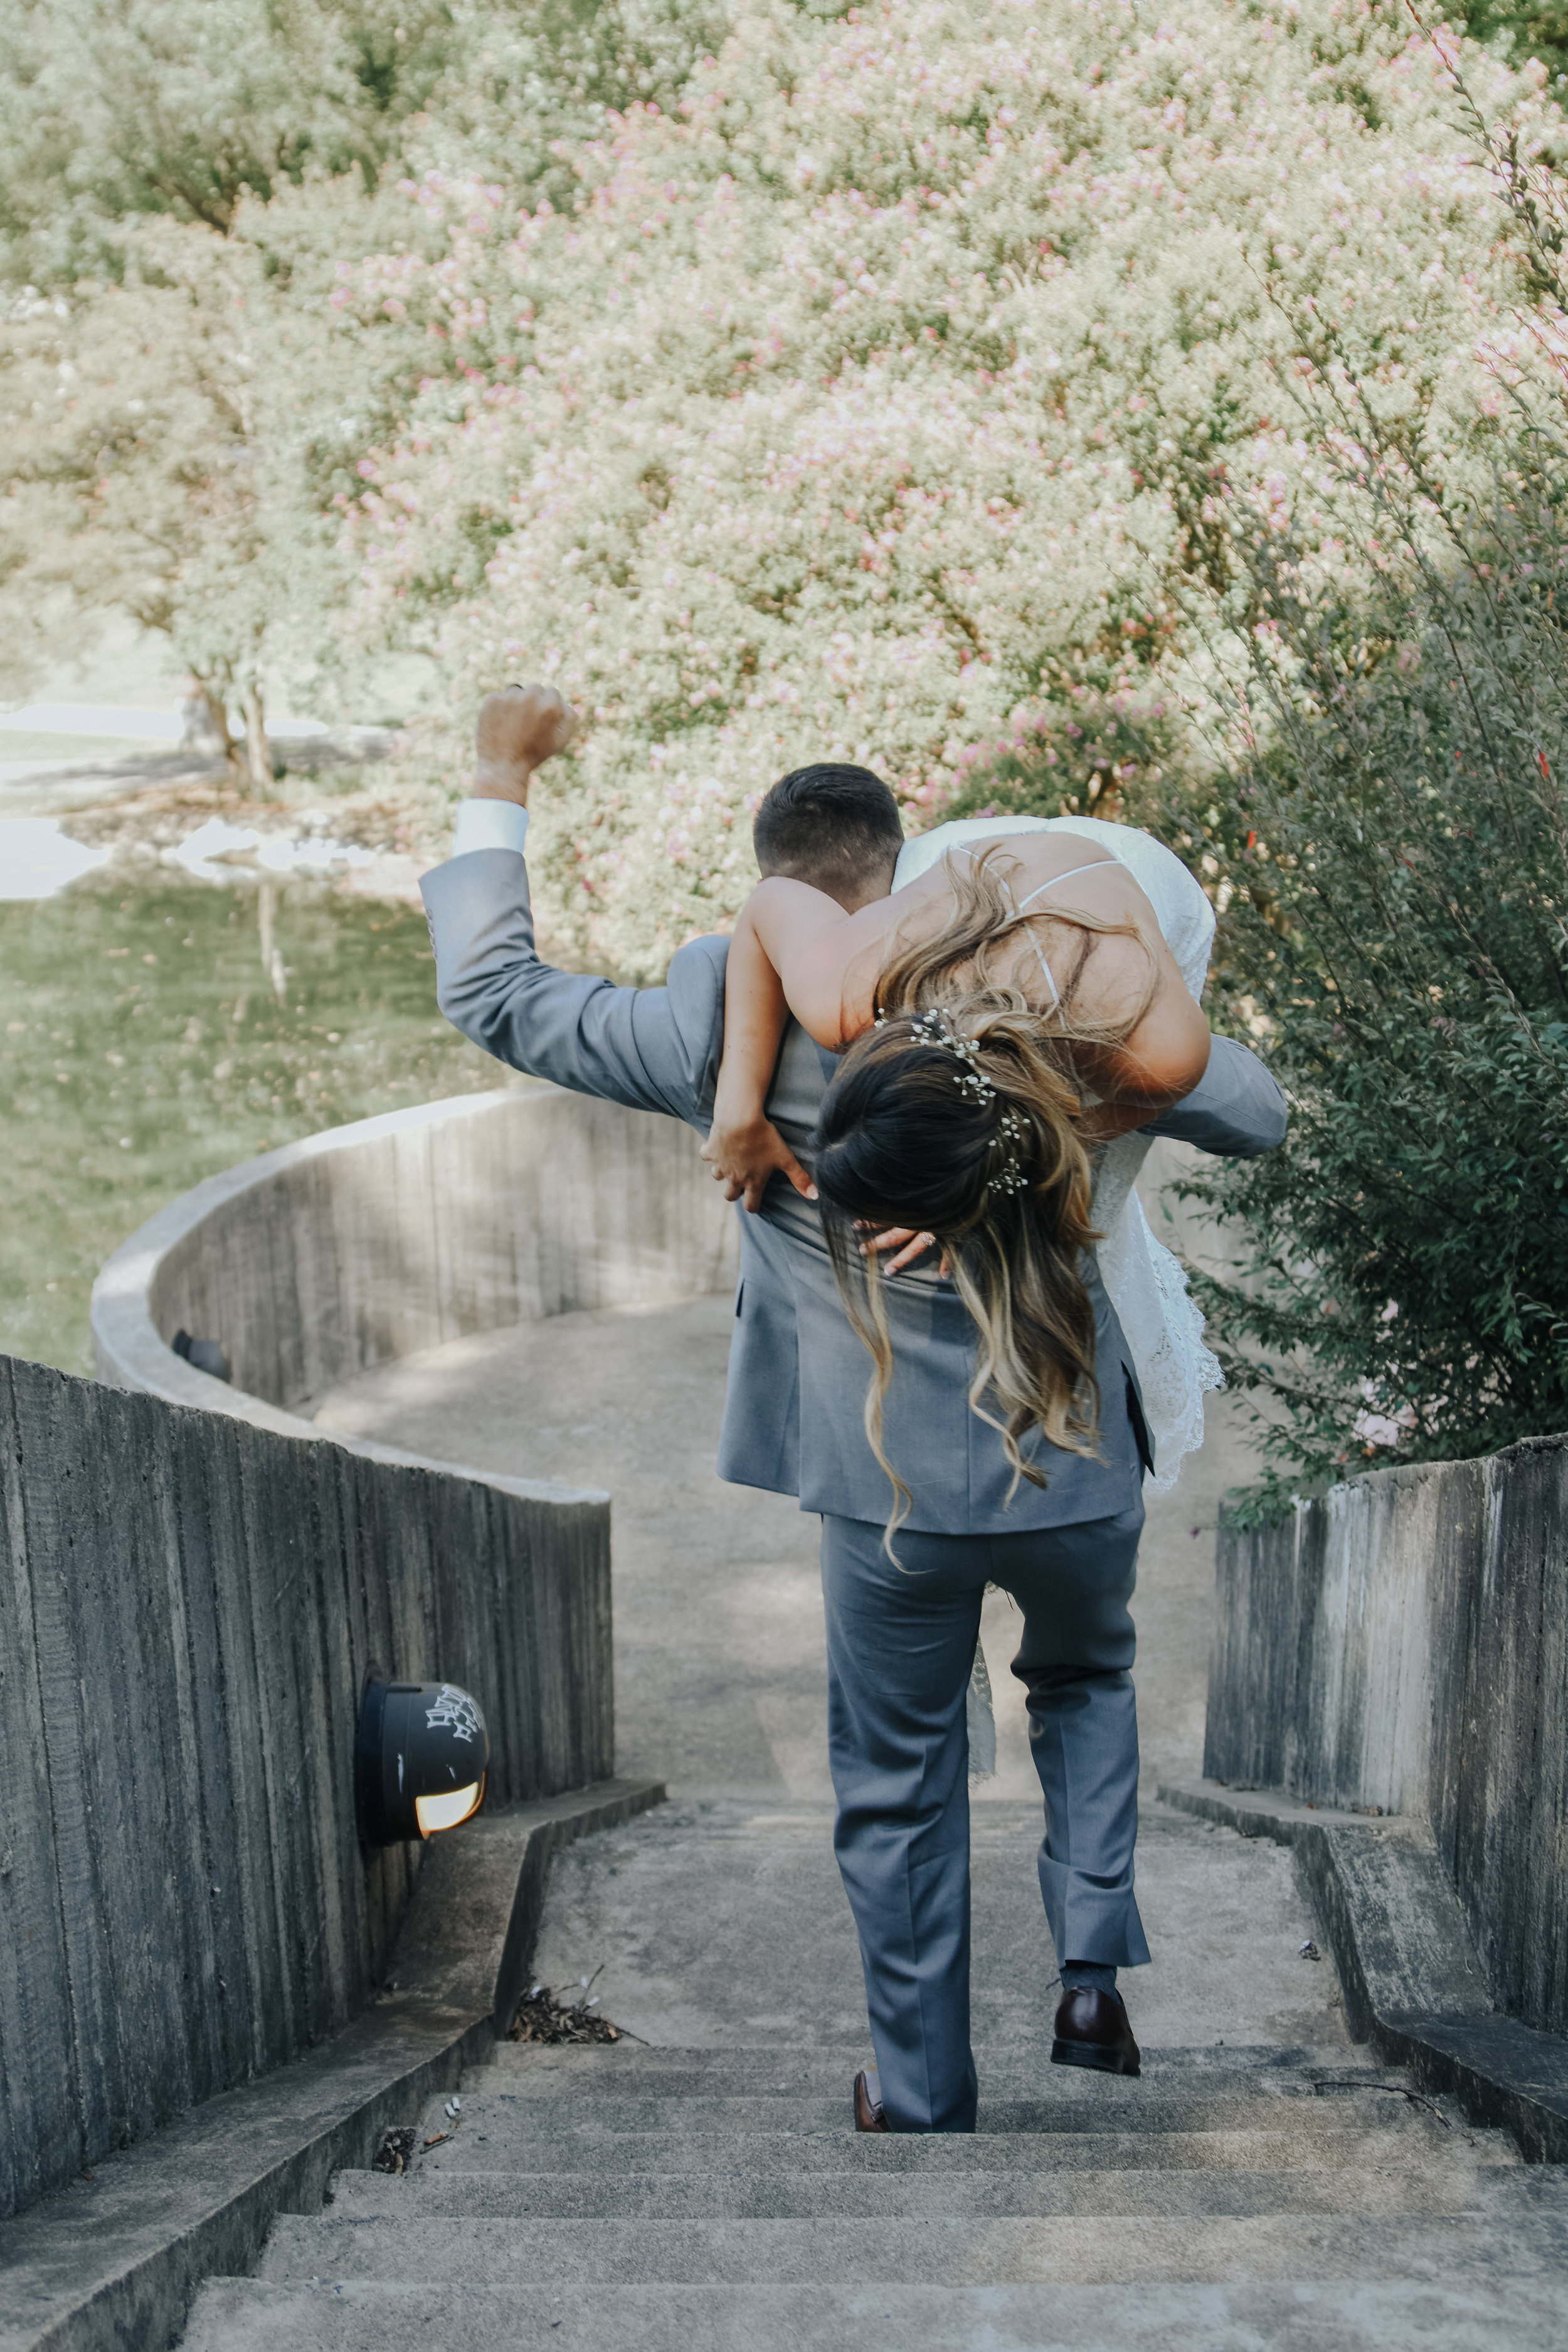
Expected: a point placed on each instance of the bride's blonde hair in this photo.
(961, 1113)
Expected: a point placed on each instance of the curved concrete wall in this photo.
(373, 1241)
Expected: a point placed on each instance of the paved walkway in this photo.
(720, 1920)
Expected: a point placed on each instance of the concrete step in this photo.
(1454, 2187)
(1111, 2103)
(491, 2140)
(1099, 2250)
(489, 2144)
(634, 2070)
(244, 2315)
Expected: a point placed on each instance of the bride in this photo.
(1009, 1018)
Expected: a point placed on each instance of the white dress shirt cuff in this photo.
(490, 825)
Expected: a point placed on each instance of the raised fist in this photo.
(519, 729)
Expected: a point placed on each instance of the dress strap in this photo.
(1049, 976)
(1071, 874)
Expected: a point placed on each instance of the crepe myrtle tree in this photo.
(186, 108)
(153, 432)
(111, 109)
(835, 411)
(786, 382)
(180, 184)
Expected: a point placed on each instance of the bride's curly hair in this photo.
(961, 1113)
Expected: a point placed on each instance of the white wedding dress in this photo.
(1164, 1328)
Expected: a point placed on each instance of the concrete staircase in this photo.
(633, 2199)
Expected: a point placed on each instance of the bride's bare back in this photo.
(829, 963)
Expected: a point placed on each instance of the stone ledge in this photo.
(116, 2260)
(1412, 1984)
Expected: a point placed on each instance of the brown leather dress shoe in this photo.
(869, 2114)
(1092, 2031)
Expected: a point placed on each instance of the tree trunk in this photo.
(207, 719)
(258, 758)
(217, 712)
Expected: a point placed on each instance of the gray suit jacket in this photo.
(798, 1374)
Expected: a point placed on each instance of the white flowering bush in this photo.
(161, 461)
(112, 109)
(178, 399)
(786, 380)
(836, 415)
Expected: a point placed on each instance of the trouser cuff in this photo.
(1092, 1923)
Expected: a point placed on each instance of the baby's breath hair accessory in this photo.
(1009, 1135)
(1010, 1132)
(970, 1078)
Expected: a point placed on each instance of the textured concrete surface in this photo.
(470, 1935)
(1413, 1983)
(716, 1924)
(1080, 2182)
(1064, 2250)
(114, 2260)
(1524, 2315)
(1402, 1643)
(188, 1608)
(354, 1246)
(621, 2195)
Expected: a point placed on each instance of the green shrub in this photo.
(1395, 930)
(1372, 786)
(1518, 29)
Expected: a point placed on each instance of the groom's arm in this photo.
(1235, 1110)
(651, 1048)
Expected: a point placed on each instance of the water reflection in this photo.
(145, 1044)
(38, 858)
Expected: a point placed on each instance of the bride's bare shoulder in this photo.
(1167, 1053)
(1107, 976)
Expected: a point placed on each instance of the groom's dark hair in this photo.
(828, 826)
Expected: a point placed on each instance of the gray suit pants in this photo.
(899, 1643)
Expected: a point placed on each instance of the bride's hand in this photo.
(908, 1243)
(744, 1152)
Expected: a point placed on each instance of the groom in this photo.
(797, 1377)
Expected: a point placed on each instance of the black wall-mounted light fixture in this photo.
(421, 1754)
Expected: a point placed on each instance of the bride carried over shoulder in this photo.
(1074, 1014)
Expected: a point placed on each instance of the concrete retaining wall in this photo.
(189, 1598)
(188, 1606)
(1402, 1643)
